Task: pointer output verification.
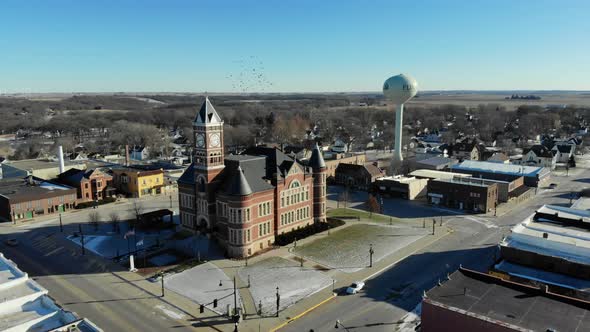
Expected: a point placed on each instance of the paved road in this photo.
(391, 295)
(90, 285)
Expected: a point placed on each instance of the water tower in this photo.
(399, 89)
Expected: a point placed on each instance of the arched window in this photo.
(295, 184)
(201, 184)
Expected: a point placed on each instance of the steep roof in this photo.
(317, 160)
(238, 184)
(564, 148)
(207, 114)
(244, 173)
(539, 150)
(276, 161)
(188, 176)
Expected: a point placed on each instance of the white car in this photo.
(355, 287)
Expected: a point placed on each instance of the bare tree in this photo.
(138, 210)
(114, 217)
(372, 205)
(94, 218)
(344, 196)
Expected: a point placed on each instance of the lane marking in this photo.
(302, 314)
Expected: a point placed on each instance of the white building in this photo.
(25, 306)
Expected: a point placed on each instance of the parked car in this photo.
(11, 242)
(355, 287)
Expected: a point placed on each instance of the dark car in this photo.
(11, 242)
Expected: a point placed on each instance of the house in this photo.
(246, 200)
(539, 155)
(28, 197)
(564, 153)
(91, 185)
(138, 182)
(339, 146)
(140, 153)
(467, 150)
(357, 176)
(463, 194)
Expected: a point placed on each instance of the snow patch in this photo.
(171, 313)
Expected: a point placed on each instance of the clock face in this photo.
(200, 140)
(215, 140)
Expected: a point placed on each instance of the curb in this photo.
(276, 328)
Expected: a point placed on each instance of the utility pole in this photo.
(170, 201)
(278, 301)
(433, 225)
(61, 226)
(371, 252)
(162, 279)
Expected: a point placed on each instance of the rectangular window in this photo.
(248, 214)
(248, 235)
(239, 220)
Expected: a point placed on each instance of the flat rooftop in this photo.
(482, 184)
(546, 277)
(399, 179)
(564, 241)
(499, 168)
(426, 173)
(491, 298)
(582, 203)
(20, 188)
(37, 164)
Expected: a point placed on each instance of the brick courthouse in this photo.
(246, 200)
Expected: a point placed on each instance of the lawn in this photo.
(348, 249)
(346, 213)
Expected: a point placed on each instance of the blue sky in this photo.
(292, 46)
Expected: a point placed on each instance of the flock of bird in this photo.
(250, 76)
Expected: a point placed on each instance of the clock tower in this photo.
(208, 150)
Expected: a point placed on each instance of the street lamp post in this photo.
(162, 279)
(61, 227)
(170, 200)
(278, 301)
(235, 299)
(371, 252)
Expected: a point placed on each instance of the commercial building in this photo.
(246, 200)
(435, 163)
(358, 176)
(138, 182)
(432, 175)
(473, 301)
(401, 186)
(26, 198)
(469, 195)
(40, 168)
(533, 176)
(25, 305)
(555, 240)
(91, 185)
(332, 161)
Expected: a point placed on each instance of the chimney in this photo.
(127, 155)
(60, 156)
